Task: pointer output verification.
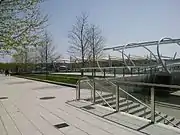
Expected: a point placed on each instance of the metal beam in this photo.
(151, 43)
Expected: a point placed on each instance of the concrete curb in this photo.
(48, 81)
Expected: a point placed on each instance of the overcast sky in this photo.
(121, 21)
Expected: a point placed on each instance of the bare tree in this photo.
(47, 51)
(96, 43)
(78, 38)
(86, 40)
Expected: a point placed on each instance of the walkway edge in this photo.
(47, 81)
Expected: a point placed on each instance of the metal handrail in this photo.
(102, 87)
(142, 103)
(99, 94)
(137, 69)
(130, 96)
(158, 66)
(133, 96)
(102, 97)
(148, 84)
(122, 89)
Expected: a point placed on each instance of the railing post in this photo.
(145, 71)
(117, 98)
(151, 71)
(82, 72)
(131, 71)
(94, 91)
(94, 72)
(114, 72)
(152, 105)
(78, 91)
(123, 72)
(138, 71)
(104, 72)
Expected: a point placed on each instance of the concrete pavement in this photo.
(34, 108)
(23, 113)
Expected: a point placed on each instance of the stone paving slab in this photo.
(7, 123)
(24, 113)
(93, 121)
(136, 123)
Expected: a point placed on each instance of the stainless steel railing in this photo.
(88, 81)
(152, 108)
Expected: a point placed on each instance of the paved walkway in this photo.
(90, 74)
(24, 112)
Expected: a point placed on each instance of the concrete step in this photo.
(99, 101)
(122, 104)
(125, 103)
(98, 97)
(148, 116)
(131, 106)
(137, 109)
(161, 119)
(105, 96)
(177, 123)
(170, 118)
(122, 100)
(143, 113)
(114, 101)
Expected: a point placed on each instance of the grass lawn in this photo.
(64, 78)
(57, 78)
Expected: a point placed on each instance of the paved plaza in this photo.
(36, 108)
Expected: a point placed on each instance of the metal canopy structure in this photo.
(151, 43)
(158, 57)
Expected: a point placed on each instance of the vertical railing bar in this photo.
(114, 72)
(104, 72)
(117, 98)
(82, 72)
(152, 105)
(78, 91)
(92, 72)
(94, 91)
